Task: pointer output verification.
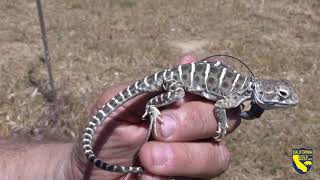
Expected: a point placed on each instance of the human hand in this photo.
(182, 148)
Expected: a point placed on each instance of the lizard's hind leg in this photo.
(174, 93)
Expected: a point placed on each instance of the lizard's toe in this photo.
(221, 132)
(218, 137)
(145, 115)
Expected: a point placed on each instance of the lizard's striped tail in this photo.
(98, 119)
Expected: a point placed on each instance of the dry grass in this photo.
(101, 43)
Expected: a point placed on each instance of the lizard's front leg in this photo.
(221, 115)
(174, 93)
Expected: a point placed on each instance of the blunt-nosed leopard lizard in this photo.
(213, 80)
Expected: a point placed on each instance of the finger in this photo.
(190, 121)
(147, 176)
(117, 141)
(203, 159)
(189, 58)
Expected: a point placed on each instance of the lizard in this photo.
(213, 80)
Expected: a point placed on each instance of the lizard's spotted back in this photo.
(214, 78)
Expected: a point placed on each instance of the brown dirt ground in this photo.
(96, 44)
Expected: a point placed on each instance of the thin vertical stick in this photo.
(46, 49)
(47, 56)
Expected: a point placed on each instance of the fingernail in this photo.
(168, 126)
(224, 154)
(161, 154)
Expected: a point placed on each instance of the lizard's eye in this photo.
(283, 94)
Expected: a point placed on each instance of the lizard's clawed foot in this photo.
(151, 113)
(222, 131)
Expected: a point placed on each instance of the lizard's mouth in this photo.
(272, 104)
(280, 104)
(290, 103)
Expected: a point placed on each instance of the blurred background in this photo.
(97, 44)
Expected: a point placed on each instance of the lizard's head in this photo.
(271, 94)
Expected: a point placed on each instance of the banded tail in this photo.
(98, 119)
